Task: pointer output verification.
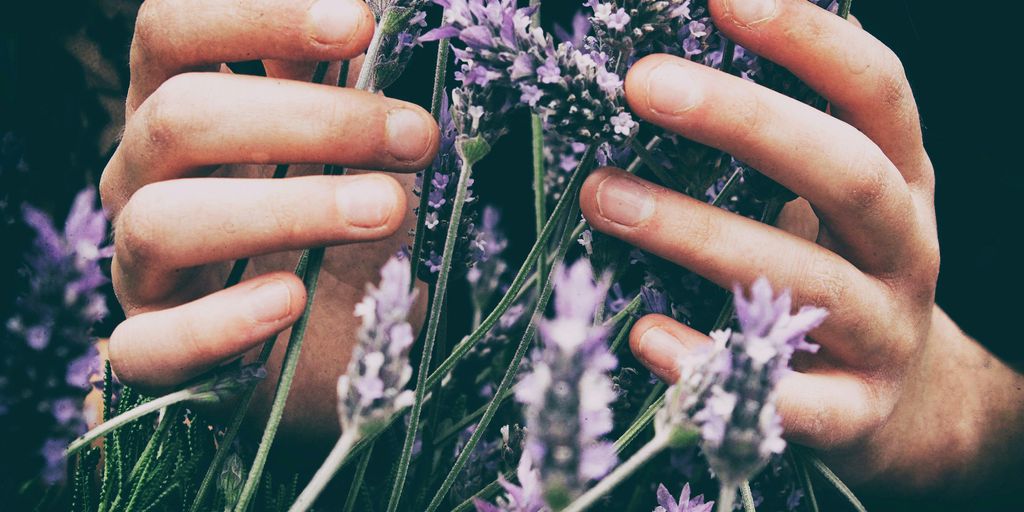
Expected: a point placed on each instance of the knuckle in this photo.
(701, 236)
(147, 26)
(285, 220)
(870, 183)
(825, 285)
(163, 115)
(893, 85)
(136, 240)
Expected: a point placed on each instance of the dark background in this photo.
(63, 75)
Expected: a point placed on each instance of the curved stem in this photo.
(127, 417)
(434, 321)
(327, 470)
(521, 277)
(357, 480)
(747, 497)
(623, 471)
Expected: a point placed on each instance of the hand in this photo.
(898, 397)
(189, 191)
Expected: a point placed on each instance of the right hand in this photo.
(188, 191)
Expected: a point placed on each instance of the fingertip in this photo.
(346, 25)
(287, 293)
(662, 87)
(659, 342)
(412, 136)
(371, 205)
(588, 192)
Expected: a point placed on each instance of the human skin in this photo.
(188, 192)
(899, 400)
(876, 402)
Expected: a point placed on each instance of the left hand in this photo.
(872, 401)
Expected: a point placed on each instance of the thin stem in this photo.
(288, 367)
(144, 463)
(434, 321)
(641, 422)
(651, 145)
(440, 75)
(730, 184)
(623, 471)
(630, 308)
(726, 497)
(796, 458)
(517, 358)
(747, 497)
(323, 476)
(311, 277)
(357, 480)
(235, 426)
(465, 421)
(522, 276)
(127, 417)
(539, 194)
(844, 8)
(662, 174)
(836, 482)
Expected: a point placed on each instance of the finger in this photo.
(729, 249)
(196, 121)
(862, 78)
(175, 36)
(659, 342)
(818, 410)
(844, 175)
(179, 224)
(160, 349)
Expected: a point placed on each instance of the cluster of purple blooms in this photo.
(667, 503)
(401, 23)
(728, 391)
(567, 396)
(373, 387)
(471, 246)
(572, 88)
(49, 357)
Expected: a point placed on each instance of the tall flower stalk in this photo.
(373, 387)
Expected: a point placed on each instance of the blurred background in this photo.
(63, 78)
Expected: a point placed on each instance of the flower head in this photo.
(373, 387)
(666, 503)
(568, 393)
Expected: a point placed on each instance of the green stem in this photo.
(730, 184)
(831, 477)
(128, 417)
(311, 276)
(796, 459)
(662, 174)
(522, 276)
(461, 425)
(440, 75)
(747, 497)
(641, 422)
(142, 465)
(726, 497)
(623, 471)
(844, 8)
(288, 367)
(327, 470)
(357, 480)
(539, 195)
(433, 323)
(517, 358)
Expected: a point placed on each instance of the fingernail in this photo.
(749, 12)
(271, 301)
(366, 202)
(661, 351)
(335, 22)
(408, 135)
(624, 201)
(671, 89)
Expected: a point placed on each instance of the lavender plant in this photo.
(724, 397)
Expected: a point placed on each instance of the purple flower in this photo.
(373, 387)
(736, 414)
(642, 26)
(666, 503)
(401, 22)
(525, 497)
(488, 275)
(568, 392)
(447, 166)
(504, 53)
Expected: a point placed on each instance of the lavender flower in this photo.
(568, 392)
(49, 356)
(574, 90)
(525, 497)
(488, 276)
(640, 26)
(374, 385)
(666, 503)
(400, 24)
(734, 394)
(447, 166)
